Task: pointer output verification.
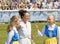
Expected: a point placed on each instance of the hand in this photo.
(32, 42)
(36, 26)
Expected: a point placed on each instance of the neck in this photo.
(51, 24)
(25, 21)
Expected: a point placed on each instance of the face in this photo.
(50, 19)
(49, 1)
(41, 0)
(26, 17)
(35, 5)
(16, 22)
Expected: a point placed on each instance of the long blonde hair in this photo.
(10, 27)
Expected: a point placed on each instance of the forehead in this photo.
(16, 19)
(27, 14)
(50, 16)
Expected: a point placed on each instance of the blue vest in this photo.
(51, 33)
(16, 36)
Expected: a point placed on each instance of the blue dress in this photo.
(15, 37)
(51, 34)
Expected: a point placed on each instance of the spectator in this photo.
(28, 4)
(34, 6)
(3, 4)
(54, 6)
(49, 4)
(0, 4)
(13, 5)
(42, 4)
(58, 4)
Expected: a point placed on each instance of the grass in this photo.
(3, 33)
(37, 39)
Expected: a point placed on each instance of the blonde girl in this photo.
(13, 35)
(50, 30)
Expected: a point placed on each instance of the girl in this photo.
(13, 35)
(50, 30)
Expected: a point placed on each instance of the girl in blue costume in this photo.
(50, 30)
(13, 35)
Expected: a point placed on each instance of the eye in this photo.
(15, 21)
(49, 19)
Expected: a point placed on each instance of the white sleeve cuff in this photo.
(40, 33)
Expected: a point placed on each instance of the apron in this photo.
(15, 42)
(51, 40)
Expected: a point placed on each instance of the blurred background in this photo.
(29, 4)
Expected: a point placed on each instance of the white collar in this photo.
(52, 25)
(23, 21)
(51, 28)
(14, 28)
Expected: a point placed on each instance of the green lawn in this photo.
(37, 39)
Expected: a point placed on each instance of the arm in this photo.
(58, 35)
(9, 38)
(40, 33)
(32, 40)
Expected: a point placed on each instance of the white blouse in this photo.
(25, 30)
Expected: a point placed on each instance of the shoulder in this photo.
(58, 27)
(46, 25)
(58, 30)
(29, 23)
(14, 28)
(11, 32)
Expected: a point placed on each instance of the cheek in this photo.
(26, 18)
(51, 20)
(48, 20)
(15, 23)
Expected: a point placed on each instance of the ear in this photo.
(22, 16)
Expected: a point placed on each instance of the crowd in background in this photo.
(29, 4)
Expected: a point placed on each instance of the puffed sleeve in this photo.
(41, 33)
(9, 38)
(58, 35)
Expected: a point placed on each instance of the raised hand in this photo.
(32, 42)
(36, 26)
